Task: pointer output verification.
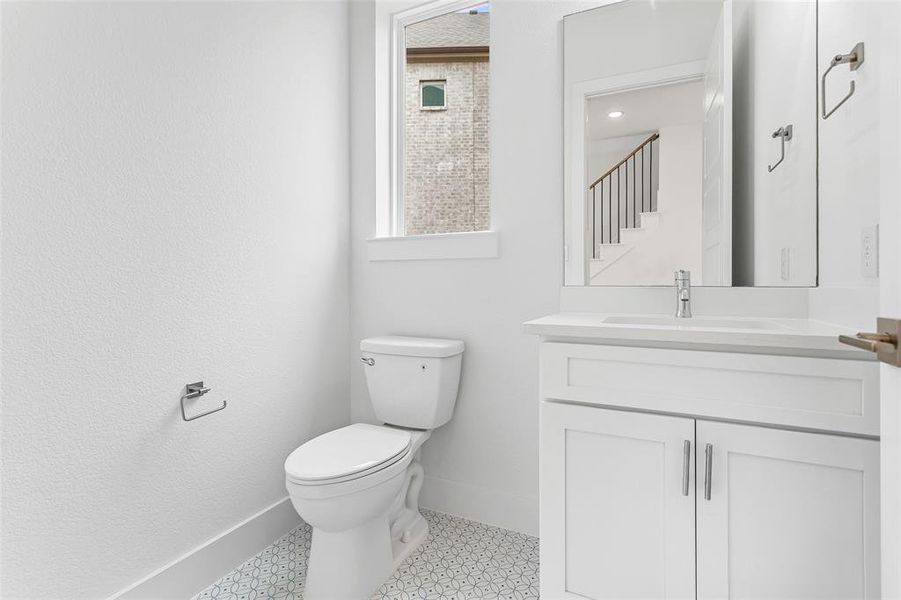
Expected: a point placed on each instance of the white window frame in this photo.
(390, 243)
(423, 83)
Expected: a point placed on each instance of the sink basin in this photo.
(692, 323)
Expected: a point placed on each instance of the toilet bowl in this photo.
(347, 485)
(358, 486)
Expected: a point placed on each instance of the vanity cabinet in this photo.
(707, 475)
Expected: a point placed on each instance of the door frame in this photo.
(890, 295)
(575, 143)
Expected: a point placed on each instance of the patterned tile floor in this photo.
(459, 560)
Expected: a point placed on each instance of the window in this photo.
(441, 166)
(431, 95)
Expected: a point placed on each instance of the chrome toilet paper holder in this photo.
(196, 390)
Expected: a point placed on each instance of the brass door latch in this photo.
(884, 343)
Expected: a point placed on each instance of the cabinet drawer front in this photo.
(810, 393)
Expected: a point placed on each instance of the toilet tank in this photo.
(413, 382)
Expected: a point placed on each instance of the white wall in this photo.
(636, 36)
(604, 153)
(850, 161)
(175, 209)
(774, 210)
(484, 463)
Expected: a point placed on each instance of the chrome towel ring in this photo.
(854, 60)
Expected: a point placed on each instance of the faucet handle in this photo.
(682, 275)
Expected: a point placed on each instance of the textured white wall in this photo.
(175, 208)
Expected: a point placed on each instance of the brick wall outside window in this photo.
(446, 151)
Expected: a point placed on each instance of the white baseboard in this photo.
(518, 513)
(191, 573)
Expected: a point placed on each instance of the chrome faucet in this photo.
(683, 294)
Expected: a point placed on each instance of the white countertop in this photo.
(799, 337)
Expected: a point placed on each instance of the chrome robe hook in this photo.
(785, 133)
(853, 59)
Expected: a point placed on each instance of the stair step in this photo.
(631, 236)
(609, 254)
(650, 219)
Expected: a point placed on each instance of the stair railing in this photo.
(613, 205)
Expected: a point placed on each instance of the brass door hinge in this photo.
(884, 343)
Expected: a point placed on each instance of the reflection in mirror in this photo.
(695, 148)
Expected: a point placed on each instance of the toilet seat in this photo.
(348, 453)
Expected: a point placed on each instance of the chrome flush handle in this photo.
(368, 361)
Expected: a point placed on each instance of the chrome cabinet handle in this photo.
(853, 59)
(785, 134)
(708, 470)
(686, 465)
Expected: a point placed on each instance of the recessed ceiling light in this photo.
(615, 114)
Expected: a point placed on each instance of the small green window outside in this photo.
(432, 94)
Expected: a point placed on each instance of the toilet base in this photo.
(413, 537)
(349, 565)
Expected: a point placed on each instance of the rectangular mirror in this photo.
(691, 143)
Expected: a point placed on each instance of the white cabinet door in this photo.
(791, 515)
(616, 521)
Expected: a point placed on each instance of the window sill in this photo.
(440, 246)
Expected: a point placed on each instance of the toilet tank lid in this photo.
(412, 346)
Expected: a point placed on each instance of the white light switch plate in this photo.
(869, 252)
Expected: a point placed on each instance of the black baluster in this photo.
(634, 195)
(627, 197)
(642, 179)
(609, 210)
(594, 224)
(651, 179)
(618, 201)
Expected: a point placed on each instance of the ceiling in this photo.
(645, 110)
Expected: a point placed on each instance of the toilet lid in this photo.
(346, 451)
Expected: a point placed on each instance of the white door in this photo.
(617, 504)
(790, 515)
(716, 202)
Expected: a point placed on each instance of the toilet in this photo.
(358, 486)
